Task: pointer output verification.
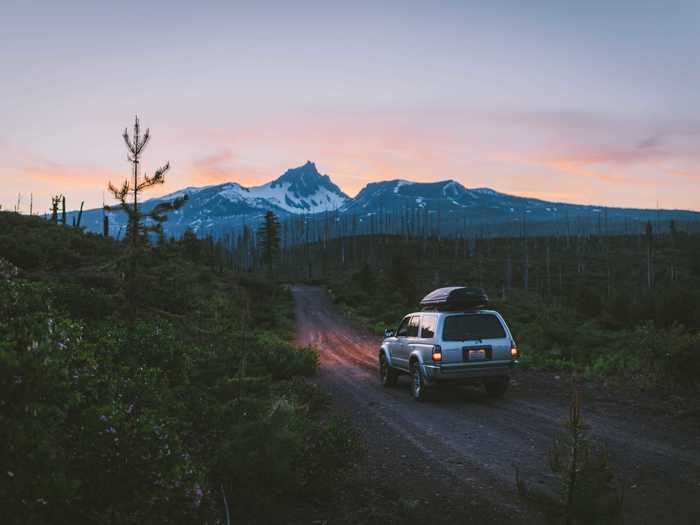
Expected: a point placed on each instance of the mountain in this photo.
(429, 196)
(445, 206)
(452, 205)
(304, 190)
(218, 208)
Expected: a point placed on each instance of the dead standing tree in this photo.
(55, 202)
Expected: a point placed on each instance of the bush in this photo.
(670, 356)
(86, 430)
(145, 412)
(282, 359)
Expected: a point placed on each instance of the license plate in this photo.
(477, 355)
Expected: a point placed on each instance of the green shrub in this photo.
(670, 356)
(85, 424)
(146, 413)
(281, 358)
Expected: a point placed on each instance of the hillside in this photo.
(176, 398)
(157, 407)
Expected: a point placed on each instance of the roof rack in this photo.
(449, 308)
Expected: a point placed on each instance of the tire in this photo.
(387, 375)
(419, 390)
(496, 387)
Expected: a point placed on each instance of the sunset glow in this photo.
(578, 104)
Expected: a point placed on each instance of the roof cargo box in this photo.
(455, 298)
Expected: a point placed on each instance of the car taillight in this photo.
(513, 351)
(437, 353)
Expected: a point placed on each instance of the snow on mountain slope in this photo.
(282, 196)
(299, 190)
(402, 194)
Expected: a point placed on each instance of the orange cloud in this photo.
(572, 166)
(684, 174)
(61, 175)
(579, 169)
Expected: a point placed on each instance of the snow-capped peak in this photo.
(302, 190)
(306, 181)
(297, 190)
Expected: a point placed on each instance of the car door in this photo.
(395, 347)
(409, 340)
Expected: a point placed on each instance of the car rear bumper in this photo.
(466, 372)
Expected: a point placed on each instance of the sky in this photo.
(588, 102)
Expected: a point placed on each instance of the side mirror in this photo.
(388, 332)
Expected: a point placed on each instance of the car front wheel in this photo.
(387, 375)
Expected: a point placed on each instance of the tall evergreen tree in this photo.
(269, 240)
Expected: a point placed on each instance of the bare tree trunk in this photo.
(526, 269)
(549, 273)
(80, 214)
(650, 279)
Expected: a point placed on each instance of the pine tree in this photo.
(140, 223)
(590, 490)
(269, 240)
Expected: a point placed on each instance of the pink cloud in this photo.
(223, 166)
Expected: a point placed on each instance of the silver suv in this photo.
(455, 347)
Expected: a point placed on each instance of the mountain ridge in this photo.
(304, 191)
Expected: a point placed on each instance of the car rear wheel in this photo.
(387, 375)
(418, 387)
(496, 387)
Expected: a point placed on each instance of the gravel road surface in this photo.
(458, 452)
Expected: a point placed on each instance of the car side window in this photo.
(403, 328)
(413, 326)
(427, 329)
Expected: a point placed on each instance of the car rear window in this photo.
(472, 326)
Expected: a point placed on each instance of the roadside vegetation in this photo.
(176, 397)
(587, 488)
(612, 307)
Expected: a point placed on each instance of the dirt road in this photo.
(459, 452)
